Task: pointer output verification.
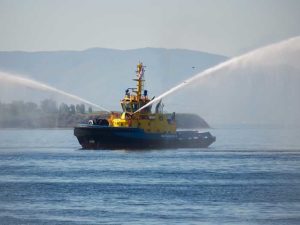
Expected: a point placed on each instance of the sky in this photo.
(226, 27)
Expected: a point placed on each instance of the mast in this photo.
(140, 80)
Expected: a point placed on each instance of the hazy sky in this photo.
(227, 27)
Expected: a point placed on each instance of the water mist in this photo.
(26, 82)
(264, 84)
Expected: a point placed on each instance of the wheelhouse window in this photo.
(126, 107)
(135, 106)
(123, 107)
(147, 109)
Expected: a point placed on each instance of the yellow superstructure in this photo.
(135, 98)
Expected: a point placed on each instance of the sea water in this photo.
(250, 175)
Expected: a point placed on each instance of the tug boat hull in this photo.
(106, 137)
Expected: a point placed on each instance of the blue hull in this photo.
(105, 137)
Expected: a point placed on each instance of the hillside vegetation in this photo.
(48, 114)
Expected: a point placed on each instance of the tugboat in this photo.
(139, 130)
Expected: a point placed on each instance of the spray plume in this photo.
(4, 77)
(291, 44)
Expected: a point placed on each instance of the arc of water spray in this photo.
(40, 86)
(211, 70)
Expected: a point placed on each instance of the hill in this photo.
(101, 75)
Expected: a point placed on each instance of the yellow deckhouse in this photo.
(134, 99)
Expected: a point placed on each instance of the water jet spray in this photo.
(289, 44)
(40, 86)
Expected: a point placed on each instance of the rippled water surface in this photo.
(249, 176)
